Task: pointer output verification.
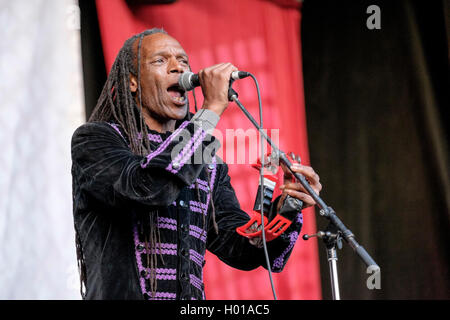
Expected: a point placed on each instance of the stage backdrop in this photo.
(262, 37)
(42, 103)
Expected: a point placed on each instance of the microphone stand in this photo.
(332, 239)
(336, 229)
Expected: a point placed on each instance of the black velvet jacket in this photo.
(114, 191)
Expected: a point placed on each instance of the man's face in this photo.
(163, 60)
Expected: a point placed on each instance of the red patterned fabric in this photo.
(262, 37)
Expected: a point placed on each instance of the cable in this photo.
(261, 176)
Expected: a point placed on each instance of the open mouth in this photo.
(177, 94)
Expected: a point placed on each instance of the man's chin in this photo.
(167, 113)
(179, 112)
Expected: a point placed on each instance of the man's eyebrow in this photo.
(164, 53)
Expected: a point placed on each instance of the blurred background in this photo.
(361, 93)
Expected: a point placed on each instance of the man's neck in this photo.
(158, 126)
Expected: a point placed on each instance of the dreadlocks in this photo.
(117, 104)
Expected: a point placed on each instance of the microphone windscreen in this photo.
(188, 81)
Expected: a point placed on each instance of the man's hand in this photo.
(295, 189)
(215, 81)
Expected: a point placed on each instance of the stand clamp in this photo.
(332, 239)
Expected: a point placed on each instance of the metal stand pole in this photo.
(332, 240)
(332, 262)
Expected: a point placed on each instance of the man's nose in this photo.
(176, 66)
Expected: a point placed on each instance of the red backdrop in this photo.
(262, 37)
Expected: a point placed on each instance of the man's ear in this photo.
(133, 83)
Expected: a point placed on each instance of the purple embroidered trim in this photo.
(200, 186)
(163, 296)
(293, 236)
(196, 282)
(139, 260)
(163, 274)
(163, 245)
(167, 226)
(278, 262)
(195, 209)
(202, 207)
(197, 204)
(213, 177)
(169, 245)
(202, 182)
(196, 257)
(183, 153)
(197, 232)
(165, 270)
(154, 137)
(167, 223)
(169, 252)
(116, 127)
(167, 220)
(164, 145)
(166, 277)
(300, 218)
(198, 207)
(187, 151)
(162, 248)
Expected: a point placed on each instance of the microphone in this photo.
(189, 80)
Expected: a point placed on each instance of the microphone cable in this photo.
(261, 181)
(261, 175)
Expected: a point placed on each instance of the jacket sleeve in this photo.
(236, 250)
(105, 167)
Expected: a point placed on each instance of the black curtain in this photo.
(94, 70)
(377, 112)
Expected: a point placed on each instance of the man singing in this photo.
(145, 210)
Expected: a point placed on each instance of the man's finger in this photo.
(307, 199)
(307, 171)
(317, 187)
